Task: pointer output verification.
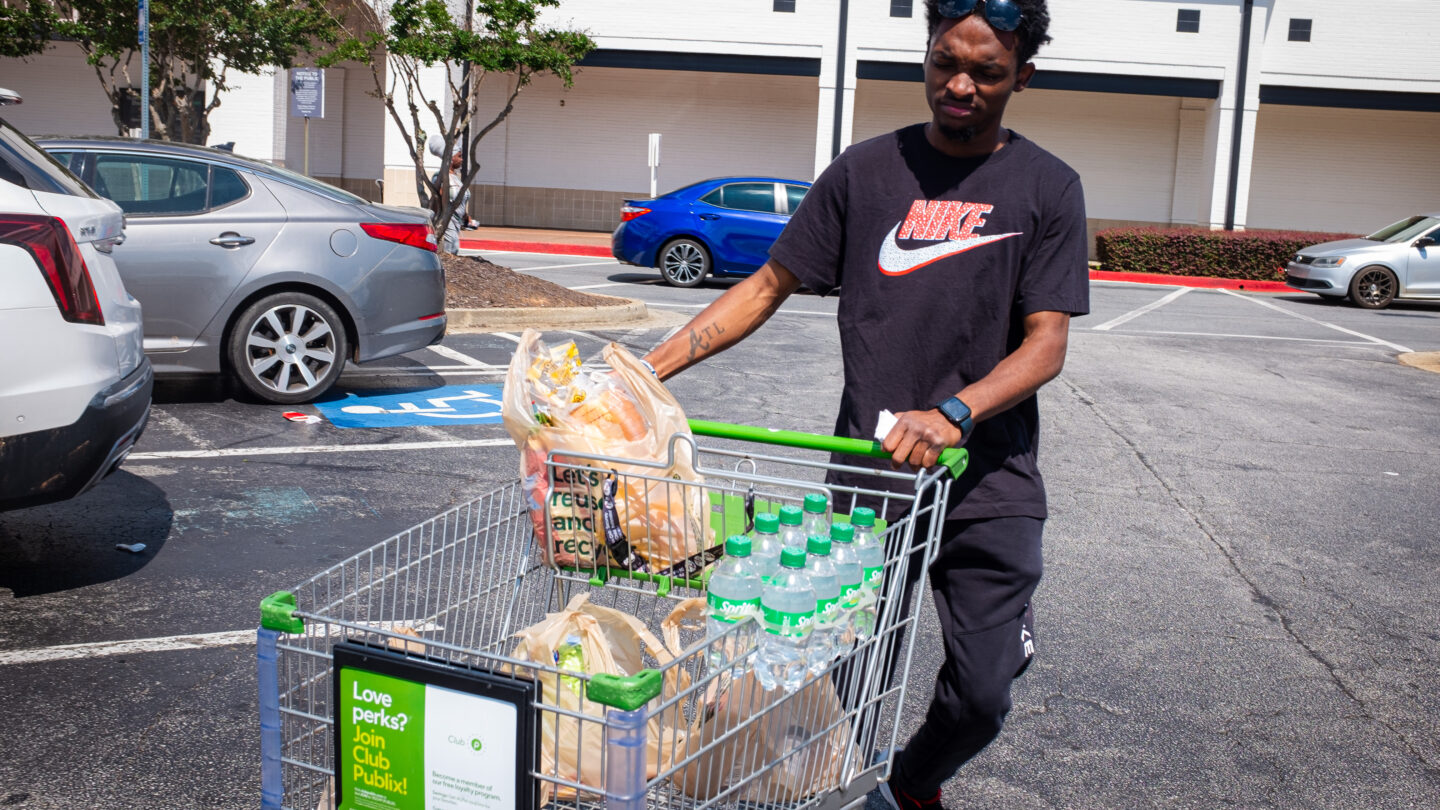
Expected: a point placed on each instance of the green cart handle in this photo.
(955, 458)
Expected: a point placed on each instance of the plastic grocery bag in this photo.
(768, 727)
(612, 642)
(552, 404)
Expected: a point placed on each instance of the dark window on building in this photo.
(785, 5)
(902, 8)
(1299, 30)
(1187, 21)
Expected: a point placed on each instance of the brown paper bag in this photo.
(775, 737)
(612, 642)
(625, 415)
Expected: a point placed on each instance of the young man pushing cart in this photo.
(958, 249)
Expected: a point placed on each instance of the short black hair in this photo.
(1033, 31)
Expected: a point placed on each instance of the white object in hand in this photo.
(883, 424)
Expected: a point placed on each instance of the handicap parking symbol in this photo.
(448, 405)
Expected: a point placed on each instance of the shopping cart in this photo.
(445, 598)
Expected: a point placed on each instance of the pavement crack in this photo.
(1256, 592)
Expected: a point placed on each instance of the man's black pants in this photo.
(982, 581)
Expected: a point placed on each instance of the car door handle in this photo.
(230, 239)
(709, 216)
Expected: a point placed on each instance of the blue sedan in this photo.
(723, 226)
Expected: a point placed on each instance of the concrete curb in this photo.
(1425, 361)
(501, 319)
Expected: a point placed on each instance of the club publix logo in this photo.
(475, 744)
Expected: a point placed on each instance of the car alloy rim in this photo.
(1375, 286)
(290, 348)
(683, 262)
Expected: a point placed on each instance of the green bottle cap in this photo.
(819, 546)
(842, 532)
(792, 558)
(815, 502)
(737, 545)
(791, 515)
(767, 522)
(864, 516)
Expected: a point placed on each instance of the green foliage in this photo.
(1245, 255)
(25, 27)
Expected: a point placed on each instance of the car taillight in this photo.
(629, 212)
(54, 249)
(420, 236)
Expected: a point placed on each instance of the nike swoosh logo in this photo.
(897, 261)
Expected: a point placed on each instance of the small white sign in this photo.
(307, 92)
(654, 149)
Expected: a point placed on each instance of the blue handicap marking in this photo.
(447, 405)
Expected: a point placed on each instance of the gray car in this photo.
(1398, 261)
(260, 273)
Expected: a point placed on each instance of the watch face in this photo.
(955, 410)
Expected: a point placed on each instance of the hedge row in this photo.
(1245, 255)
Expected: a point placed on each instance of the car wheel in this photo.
(1373, 287)
(288, 348)
(684, 263)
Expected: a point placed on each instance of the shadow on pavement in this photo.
(72, 544)
(1413, 309)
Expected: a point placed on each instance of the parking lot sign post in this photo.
(144, 70)
(654, 160)
(307, 100)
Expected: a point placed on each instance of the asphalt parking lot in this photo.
(1239, 606)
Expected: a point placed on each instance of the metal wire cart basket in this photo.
(395, 679)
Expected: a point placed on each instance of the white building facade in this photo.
(1291, 114)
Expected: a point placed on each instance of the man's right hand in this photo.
(727, 321)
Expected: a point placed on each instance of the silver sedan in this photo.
(260, 273)
(1398, 261)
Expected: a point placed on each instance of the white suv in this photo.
(74, 381)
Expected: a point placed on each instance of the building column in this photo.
(1227, 147)
(1190, 192)
(837, 78)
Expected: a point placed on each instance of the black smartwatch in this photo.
(958, 413)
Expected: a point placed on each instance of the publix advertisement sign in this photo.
(412, 735)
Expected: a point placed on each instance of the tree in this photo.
(195, 47)
(504, 39)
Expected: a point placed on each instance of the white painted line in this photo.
(1364, 343)
(1397, 347)
(599, 286)
(319, 448)
(1135, 313)
(702, 306)
(507, 336)
(459, 357)
(563, 266)
(197, 641)
(428, 372)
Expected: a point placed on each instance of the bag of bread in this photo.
(586, 512)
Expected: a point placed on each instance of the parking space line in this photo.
(317, 448)
(1364, 343)
(1397, 347)
(562, 266)
(599, 286)
(459, 357)
(507, 336)
(702, 306)
(1133, 314)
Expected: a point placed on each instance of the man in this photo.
(959, 250)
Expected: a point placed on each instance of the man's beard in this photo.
(958, 134)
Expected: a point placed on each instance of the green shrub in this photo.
(1245, 255)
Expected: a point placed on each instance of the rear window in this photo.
(28, 166)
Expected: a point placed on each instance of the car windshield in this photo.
(1404, 230)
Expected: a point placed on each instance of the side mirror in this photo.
(1423, 242)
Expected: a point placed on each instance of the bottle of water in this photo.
(792, 532)
(765, 548)
(816, 523)
(734, 598)
(788, 604)
(847, 571)
(823, 639)
(872, 568)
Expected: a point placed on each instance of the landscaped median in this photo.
(481, 296)
(1191, 257)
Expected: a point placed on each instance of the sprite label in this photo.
(872, 577)
(793, 625)
(827, 610)
(731, 611)
(850, 595)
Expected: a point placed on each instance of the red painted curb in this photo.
(1202, 282)
(536, 247)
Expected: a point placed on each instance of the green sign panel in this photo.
(411, 735)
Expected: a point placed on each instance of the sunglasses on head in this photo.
(1003, 15)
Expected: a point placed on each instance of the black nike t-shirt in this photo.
(938, 260)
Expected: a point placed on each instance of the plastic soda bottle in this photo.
(816, 523)
(765, 547)
(872, 568)
(824, 638)
(850, 576)
(788, 604)
(570, 656)
(792, 533)
(733, 595)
